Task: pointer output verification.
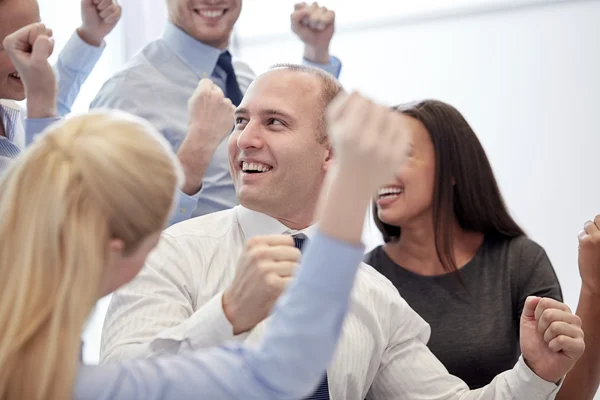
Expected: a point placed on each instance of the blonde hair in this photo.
(85, 181)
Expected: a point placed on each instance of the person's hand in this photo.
(29, 49)
(551, 338)
(369, 140)
(210, 121)
(98, 19)
(589, 256)
(314, 25)
(264, 270)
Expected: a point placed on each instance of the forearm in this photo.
(75, 63)
(343, 213)
(582, 381)
(167, 332)
(41, 105)
(194, 158)
(316, 55)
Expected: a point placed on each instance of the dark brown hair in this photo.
(474, 198)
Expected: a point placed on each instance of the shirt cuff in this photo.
(209, 326)
(184, 208)
(334, 67)
(329, 265)
(527, 385)
(35, 126)
(79, 56)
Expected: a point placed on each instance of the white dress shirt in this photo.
(175, 305)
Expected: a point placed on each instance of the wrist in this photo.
(230, 311)
(589, 292)
(194, 159)
(39, 106)
(317, 55)
(88, 37)
(553, 379)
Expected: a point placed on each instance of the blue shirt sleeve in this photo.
(75, 63)
(288, 364)
(334, 67)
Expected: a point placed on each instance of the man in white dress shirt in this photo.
(190, 295)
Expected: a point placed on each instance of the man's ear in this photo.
(329, 158)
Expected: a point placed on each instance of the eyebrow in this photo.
(267, 111)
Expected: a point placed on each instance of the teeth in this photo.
(255, 167)
(386, 191)
(15, 75)
(211, 14)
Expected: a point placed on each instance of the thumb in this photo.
(529, 308)
(42, 49)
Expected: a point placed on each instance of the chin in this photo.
(388, 217)
(13, 95)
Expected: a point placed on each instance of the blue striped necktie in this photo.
(322, 392)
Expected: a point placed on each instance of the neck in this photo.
(220, 44)
(416, 250)
(297, 223)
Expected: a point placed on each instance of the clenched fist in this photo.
(264, 270)
(210, 120)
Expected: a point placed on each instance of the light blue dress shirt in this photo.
(157, 84)
(288, 363)
(75, 62)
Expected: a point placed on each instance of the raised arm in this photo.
(30, 47)
(83, 50)
(314, 25)
(582, 382)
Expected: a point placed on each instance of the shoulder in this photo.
(375, 294)
(192, 243)
(214, 225)
(517, 248)
(373, 257)
(375, 283)
(139, 75)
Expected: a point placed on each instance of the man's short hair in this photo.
(330, 88)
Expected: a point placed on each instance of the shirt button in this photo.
(182, 210)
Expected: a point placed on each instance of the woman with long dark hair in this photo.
(452, 248)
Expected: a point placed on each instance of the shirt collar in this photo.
(9, 113)
(199, 57)
(254, 223)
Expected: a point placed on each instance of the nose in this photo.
(250, 137)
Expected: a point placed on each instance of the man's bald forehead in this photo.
(15, 13)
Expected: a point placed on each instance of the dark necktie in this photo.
(232, 89)
(322, 392)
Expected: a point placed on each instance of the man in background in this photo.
(159, 85)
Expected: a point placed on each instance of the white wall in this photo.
(525, 79)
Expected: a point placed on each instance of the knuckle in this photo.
(547, 316)
(252, 242)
